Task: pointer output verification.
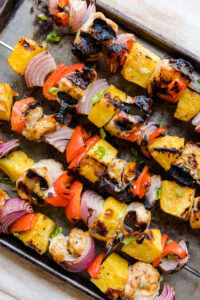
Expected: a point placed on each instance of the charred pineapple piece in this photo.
(145, 247)
(15, 164)
(38, 237)
(186, 168)
(106, 225)
(188, 105)
(91, 169)
(113, 276)
(23, 52)
(6, 101)
(170, 79)
(106, 108)
(176, 200)
(166, 149)
(139, 65)
(195, 214)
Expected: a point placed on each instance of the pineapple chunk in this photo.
(23, 52)
(188, 105)
(6, 101)
(145, 247)
(38, 237)
(103, 152)
(176, 200)
(113, 275)
(139, 65)
(104, 110)
(107, 223)
(15, 164)
(166, 149)
(195, 214)
(91, 169)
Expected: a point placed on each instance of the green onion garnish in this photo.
(53, 91)
(179, 192)
(98, 96)
(100, 151)
(42, 17)
(53, 37)
(102, 133)
(158, 194)
(57, 231)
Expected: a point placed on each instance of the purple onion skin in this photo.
(83, 264)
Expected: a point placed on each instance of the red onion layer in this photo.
(145, 131)
(53, 7)
(175, 266)
(168, 293)
(124, 37)
(90, 11)
(150, 197)
(38, 69)
(196, 122)
(91, 206)
(59, 138)
(77, 12)
(6, 147)
(83, 262)
(12, 210)
(85, 105)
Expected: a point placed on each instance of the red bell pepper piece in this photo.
(95, 267)
(63, 3)
(18, 118)
(53, 80)
(61, 19)
(62, 185)
(56, 200)
(76, 143)
(24, 223)
(131, 136)
(73, 209)
(164, 240)
(142, 182)
(174, 248)
(172, 95)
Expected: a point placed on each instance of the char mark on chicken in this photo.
(82, 78)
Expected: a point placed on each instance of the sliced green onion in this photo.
(161, 123)
(128, 240)
(56, 232)
(52, 70)
(98, 96)
(102, 133)
(44, 44)
(53, 91)
(158, 194)
(42, 17)
(100, 151)
(198, 174)
(179, 192)
(133, 160)
(16, 234)
(161, 277)
(14, 189)
(53, 37)
(169, 241)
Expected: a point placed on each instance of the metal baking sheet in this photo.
(23, 21)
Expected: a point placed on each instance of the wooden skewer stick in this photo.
(6, 45)
(187, 268)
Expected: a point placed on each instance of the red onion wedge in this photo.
(196, 122)
(6, 147)
(85, 105)
(124, 38)
(150, 197)
(77, 12)
(59, 138)
(90, 11)
(146, 130)
(12, 210)
(168, 266)
(91, 206)
(61, 249)
(53, 7)
(168, 293)
(38, 69)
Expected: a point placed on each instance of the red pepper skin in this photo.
(56, 200)
(142, 182)
(73, 209)
(156, 134)
(76, 144)
(62, 185)
(131, 136)
(164, 240)
(52, 81)
(24, 223)
(175, 249)
(95, 267)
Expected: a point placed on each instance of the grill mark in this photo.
(42, 181)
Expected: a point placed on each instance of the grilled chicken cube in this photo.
(23, 52)
(77, 83)
(106, 225)
(195, 214)
(139, 65)
(107, 107)
(113, 276)
(188, 105)
(6, 101)
(114, 175)
(165, 150)
(38, 237)
(176, 200)
(3, 197)
(133, 113)
(145, 247)
(186, 168)
(170, 79)
(130, 173)
(34, 184)
(15, 164)
(97, 30)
